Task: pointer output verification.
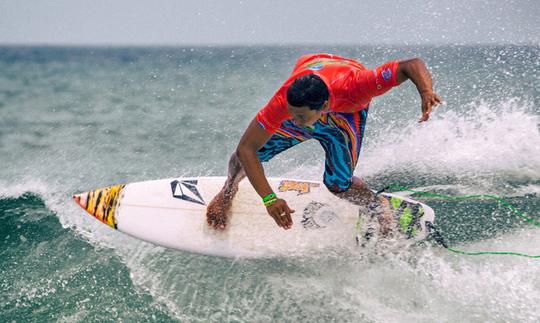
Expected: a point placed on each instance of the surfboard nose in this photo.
(101, 203)
(81, 199)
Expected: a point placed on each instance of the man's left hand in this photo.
(430, 99)
(281, 213)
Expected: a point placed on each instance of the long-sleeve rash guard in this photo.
(350, 84)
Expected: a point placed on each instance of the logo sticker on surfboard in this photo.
(300, 187)
(318, 215)
(186, 190)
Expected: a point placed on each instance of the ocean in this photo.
(77, 118)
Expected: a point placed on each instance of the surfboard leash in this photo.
(437, 236)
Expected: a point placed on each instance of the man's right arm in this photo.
(253, 139)
(415, 70)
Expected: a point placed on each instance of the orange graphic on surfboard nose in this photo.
(101, 203)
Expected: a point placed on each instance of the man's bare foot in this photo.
(216, 212)
(386, 218)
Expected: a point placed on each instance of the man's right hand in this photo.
(429, 100)
(281, 213)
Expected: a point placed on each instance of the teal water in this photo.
(73, 119)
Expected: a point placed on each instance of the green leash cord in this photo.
(437, 235)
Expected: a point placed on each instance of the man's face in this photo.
(304, 116)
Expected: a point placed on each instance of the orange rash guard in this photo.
(350, 84)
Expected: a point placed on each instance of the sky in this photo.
(272, 22)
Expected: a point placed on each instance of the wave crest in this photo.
(488, 139)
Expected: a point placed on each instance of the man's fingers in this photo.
(435, 99)
(288, 216)
(281, 213)
(218, 226)
(425, 117)
(287, 220)
(426, 110)
(215, 223)
(284, 219)
(276, 215)
(429, 100)
(429, 107)
(219, 223)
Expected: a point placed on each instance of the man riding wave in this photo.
(326, 98)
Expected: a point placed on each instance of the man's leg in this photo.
(340, 135)
(360, 194)
(287, 136)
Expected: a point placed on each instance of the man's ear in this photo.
(326, 106)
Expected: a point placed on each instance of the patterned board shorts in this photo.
(340, 135)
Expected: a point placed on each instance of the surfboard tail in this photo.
(101, 203)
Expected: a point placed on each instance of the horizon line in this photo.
(241, 44)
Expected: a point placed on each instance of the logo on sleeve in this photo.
(386, 74)
(316, 67)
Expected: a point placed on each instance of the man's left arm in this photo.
(416, 71)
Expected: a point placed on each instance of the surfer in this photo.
(326, 98)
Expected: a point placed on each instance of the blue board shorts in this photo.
(340, 134)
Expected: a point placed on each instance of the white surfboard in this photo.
(172, 213)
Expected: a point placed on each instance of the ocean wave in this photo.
(496, 141)
(25, 186)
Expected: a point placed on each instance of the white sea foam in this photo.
(23, 186)
(501, 141)
(431, 284)
(488, 140)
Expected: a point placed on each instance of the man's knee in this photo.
(338, 186)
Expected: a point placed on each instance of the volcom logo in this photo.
(187, 191)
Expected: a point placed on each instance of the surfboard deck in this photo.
(172, 213)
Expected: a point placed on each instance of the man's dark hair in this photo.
(308, 91)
